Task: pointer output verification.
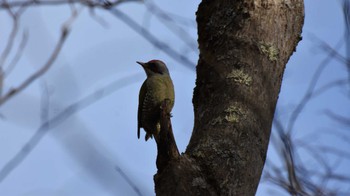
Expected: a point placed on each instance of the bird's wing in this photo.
(142, 95)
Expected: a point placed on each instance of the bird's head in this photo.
(154, 67)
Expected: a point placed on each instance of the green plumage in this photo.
(157, 87)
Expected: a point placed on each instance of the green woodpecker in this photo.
(157, 87)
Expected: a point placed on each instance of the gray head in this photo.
(154, 67)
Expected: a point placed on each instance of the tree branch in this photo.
(153, 39)
(58, 119)
(310, 91)
(172, 25)
(18, 54)
(89, 3)
(167, 148)
(64, 34)
(12, 36)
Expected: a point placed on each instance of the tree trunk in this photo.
(244, 47)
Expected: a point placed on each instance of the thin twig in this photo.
(346, 14)
(18, 54)
(172, 25)
(309, 93)
(341, 119)
(329, 49)
(153, 39)
(56, 120)
(40, 72)
(128, 180)
(45, 102)
(64, 34)
(97, 18)
(11, 38)
(1, 83)
(89, 3)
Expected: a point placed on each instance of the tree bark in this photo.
(166, 145)
(244, 47)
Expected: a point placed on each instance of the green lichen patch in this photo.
(217, 120)
(239, 76)
(198, 154)
(233, 114)
(232, 117)
(200, 182)
(269, 50)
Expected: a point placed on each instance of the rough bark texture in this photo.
(166, 145)
(244, 47)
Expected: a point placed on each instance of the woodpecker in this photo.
(157, 87)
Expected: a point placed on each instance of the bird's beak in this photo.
(142, 64)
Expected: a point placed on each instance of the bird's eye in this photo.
(154, 68)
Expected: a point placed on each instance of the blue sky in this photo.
(81, 154)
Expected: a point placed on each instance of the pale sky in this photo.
(85, 153)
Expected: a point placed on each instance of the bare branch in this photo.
(37, 74)
(166, 145)
(11, 38)
(126, 19)
(346, 14)
(153, 40)
(1, 83)
(45, 102)
(341, 119)
(128, 180)
(89, 3)
(64, 34)
(18, 54)
(329, 49)
(97, 18)
(61, 117)
(172, 25)
(289, 161)
(297, 111)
